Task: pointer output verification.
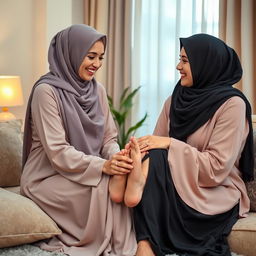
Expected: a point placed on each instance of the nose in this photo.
(179, 67)
(96, 63)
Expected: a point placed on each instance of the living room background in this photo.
(142, 40)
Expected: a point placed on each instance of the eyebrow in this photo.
(95, 53)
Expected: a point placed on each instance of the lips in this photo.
(91, 71)
(182, 75)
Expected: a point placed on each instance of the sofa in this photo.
(23, 222)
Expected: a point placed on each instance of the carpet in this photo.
(30, 250)
(27, 250)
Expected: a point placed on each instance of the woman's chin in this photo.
(185, 84)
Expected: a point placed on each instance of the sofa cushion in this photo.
(22, 221)
(242, 237)
(15, 189)
(10, 153)
(251, 186)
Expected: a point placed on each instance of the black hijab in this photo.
(215, 68)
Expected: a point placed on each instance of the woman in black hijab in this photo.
(190, 190)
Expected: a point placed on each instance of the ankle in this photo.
(144, 243)
(144, 248)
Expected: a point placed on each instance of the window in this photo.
(157, 27)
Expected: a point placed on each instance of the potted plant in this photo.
(121, 113)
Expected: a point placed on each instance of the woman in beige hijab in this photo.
(70, 150)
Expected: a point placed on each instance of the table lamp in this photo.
(10, 96)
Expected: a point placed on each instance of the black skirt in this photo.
(170, 225)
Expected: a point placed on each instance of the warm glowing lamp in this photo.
(10, 96)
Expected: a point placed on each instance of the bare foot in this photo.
(136, 179)
(117, 184)
(116, 188)
(144, 249)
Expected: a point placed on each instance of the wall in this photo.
(26, 29)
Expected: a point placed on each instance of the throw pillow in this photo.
(10, 153)
(242, 237)
(251, 186)
(22, 221)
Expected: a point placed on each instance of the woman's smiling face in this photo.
(92, 61)
(183, 67)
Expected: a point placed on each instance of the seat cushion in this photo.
(22, 221)
(10, 153)
(242, 239)
(15, 189)
(251, 186)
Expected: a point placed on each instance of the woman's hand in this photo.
(119, 164)
(150, 141)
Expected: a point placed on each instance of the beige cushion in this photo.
(22, 221)
(254, 121)
(13, 189)
(10, 153)
(242, 239)
(251, 186)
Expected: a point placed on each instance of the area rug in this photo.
(27, 250)
(30, 250)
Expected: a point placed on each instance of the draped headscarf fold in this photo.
(79, 101)
(215, 69)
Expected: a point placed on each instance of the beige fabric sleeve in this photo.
(222, 150)
(223, 147)
(64, 158)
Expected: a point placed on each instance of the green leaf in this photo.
(118, 117)
(134, 128)
(110, 100)
(126, 103)
(121, 113)
(124, 94)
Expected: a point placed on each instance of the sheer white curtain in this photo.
(157, 27)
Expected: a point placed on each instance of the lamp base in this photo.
(6, 116)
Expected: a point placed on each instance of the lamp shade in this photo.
(10, 91)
